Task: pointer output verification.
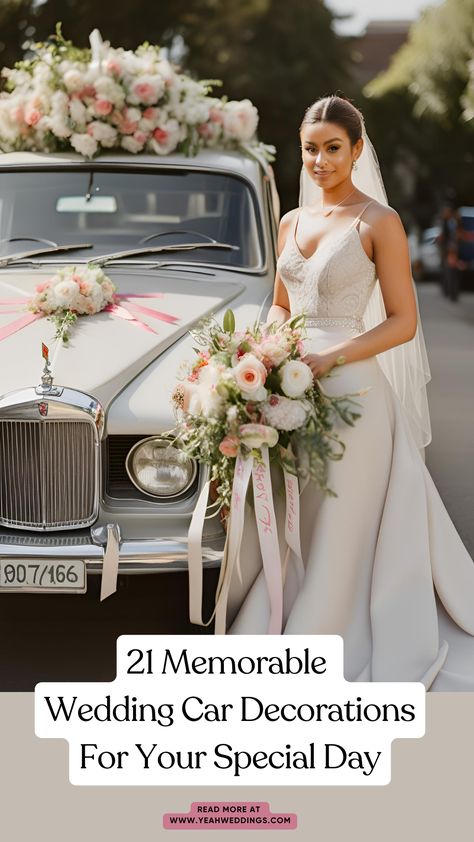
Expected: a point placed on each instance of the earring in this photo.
(354, 165)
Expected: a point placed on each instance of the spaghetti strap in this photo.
(359, 215)
(297, 219)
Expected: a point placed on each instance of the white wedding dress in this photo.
(376, 555)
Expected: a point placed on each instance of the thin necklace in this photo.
(339, 203)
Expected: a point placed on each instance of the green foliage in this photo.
(434, 64)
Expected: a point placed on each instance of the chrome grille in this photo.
(48, 473)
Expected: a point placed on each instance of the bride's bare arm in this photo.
(392, 260)
(279, 312)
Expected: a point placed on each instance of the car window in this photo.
(119, 210)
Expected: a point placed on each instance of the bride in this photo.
(376, 555)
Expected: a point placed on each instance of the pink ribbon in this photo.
(128, 313)
(19, 324)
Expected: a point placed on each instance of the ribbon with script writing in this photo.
(259, 470)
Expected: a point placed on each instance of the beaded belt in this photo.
(337, 321)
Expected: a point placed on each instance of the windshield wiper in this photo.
(25, 255)
(102, 261)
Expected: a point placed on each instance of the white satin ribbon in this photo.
(292, 523)
(268, 537)
(195, 553)
(274, 572)
(242, 473)
(110, 563)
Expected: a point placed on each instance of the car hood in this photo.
(105, 353)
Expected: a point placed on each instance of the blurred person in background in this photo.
(449, 248)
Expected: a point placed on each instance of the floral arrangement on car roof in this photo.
(110, 98)
(247, 400)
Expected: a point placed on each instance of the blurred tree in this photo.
(434, 64)
(15, 28)
(421, 111)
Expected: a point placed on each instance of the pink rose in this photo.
(141, 137)
(160, 135)
(145, 92)
(102, 107)
(113, 67)
(204, 130)
(151, 113)
(32, 116)
(229, 446)
(42, 287)
(128, 126)
(215, 115)
(87, 91)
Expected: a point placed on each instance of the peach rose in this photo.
(229, 446)
(250, 375)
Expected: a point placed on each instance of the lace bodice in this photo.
(334, 283)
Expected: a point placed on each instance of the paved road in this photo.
(449, 334)
(48, 637)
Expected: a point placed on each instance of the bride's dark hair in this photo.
(336, 109)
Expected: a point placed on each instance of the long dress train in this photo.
(382, 556)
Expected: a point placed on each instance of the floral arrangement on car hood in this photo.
(109, 98)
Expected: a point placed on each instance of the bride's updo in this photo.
(336, 109)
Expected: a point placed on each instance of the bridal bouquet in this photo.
(246, 400)
(72, 292)
(250, 389)
(67, 97)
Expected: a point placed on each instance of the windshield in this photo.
(117, 210)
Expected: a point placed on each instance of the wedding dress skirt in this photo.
(376, 554)
(384, 565)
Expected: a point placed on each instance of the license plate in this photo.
(43, 576)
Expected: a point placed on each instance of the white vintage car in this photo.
(85, 462)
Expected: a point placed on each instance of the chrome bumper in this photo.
(158, 555)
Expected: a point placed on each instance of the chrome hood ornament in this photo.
(46, 386)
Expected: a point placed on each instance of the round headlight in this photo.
(159, 469)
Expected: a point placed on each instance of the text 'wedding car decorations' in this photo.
(248, 400)
(80, 291)
(111, 98)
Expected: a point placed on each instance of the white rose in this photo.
(129, 143)
(65, 293)
(73, 80)
(78, 111)
(240, 119)
(84, 144)
(296, 377)
(211, 402)
(274, 350)
(257, 435)
(250, 375)
(106, 135)
(191, 399)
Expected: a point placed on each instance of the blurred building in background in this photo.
(374, 48)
